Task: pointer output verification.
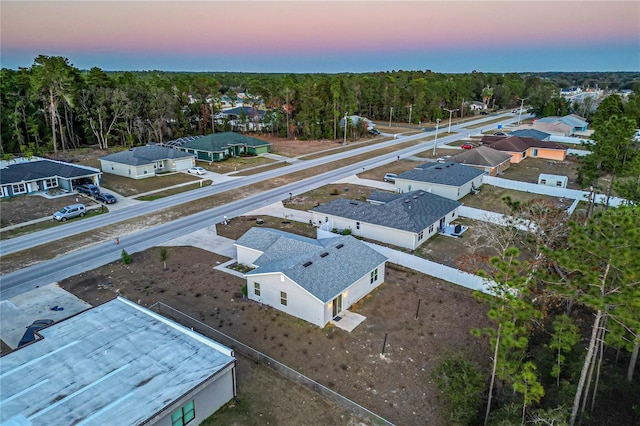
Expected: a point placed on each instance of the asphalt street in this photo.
(94, 256)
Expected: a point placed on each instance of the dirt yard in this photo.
(395, 384)
(29, 207)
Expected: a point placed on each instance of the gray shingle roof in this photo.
(481, 156)
(451, 174)
(325, 275)
(42, 169)
(148, 154)
(413, 211)
(531, 133)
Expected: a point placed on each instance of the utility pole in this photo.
(410, 110)
(390, 114)
(345, 128)
(435, 141)
(521, 105)
(451, 111)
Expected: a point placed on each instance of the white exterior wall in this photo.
(380, 233)
(300, 303)
(180, 164)
(355, 292)
(447, 191)
(207, 401)
(133, 172)
(247, 255)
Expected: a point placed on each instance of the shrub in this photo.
(126, 257)
(244, 290)
(346, 231)
(461, 384)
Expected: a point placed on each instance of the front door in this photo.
(337, 305)
(442, 223)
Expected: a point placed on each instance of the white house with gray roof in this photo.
(116, 364)
(450, 180)
(146, 161)
(404, 220)
(314, 280)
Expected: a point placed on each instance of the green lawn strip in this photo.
(173, 191)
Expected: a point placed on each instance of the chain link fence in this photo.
(265, 360)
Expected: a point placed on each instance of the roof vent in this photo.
(438, 168)
(421, 193)
(339, 246)
(307, 264)
(415, 197)
(407, 200)
(325, 254)
(353, 202)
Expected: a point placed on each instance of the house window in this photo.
(534, 153)
(112, 167)
(431, 229)
(524, 154)
(357, 225)
(184, 415)
(558, 183)
(420, 235)
(51, 182)
(543, 181)
(283, 298)
(160, 164)
(453, 214)
(256, 289)
(19, 188)
(374, 276)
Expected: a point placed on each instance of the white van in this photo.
(69, 212)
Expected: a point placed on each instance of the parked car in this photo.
(390, 177)
(103, 197)
(443, 159)
(69, 212)
(467, 146)
(499, 134)
(374, 131)
(197, 170)
(29, 335)
(88, 189)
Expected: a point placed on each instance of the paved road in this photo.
(91, 257)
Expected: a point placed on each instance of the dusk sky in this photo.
(325, 36)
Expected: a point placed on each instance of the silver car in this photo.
(69, 212)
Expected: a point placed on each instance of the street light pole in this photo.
(451, 111)
(410, 110)
(435, 141)
(521, 105)
(390, 114)
(345, 128)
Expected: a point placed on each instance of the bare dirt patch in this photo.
(395, 384)
(490, 198)
(529, 170)
(25, 208)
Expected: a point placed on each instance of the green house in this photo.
(219, 146)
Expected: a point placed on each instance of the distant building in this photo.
(146, 161)
(450, 180)
(117, 363)
(28, 176)
(489, 161)
(220, 146)
(404, 220)
(522, 147)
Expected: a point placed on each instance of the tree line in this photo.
(565, 302)
(53, 106)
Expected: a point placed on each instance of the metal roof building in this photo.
(117, 363)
